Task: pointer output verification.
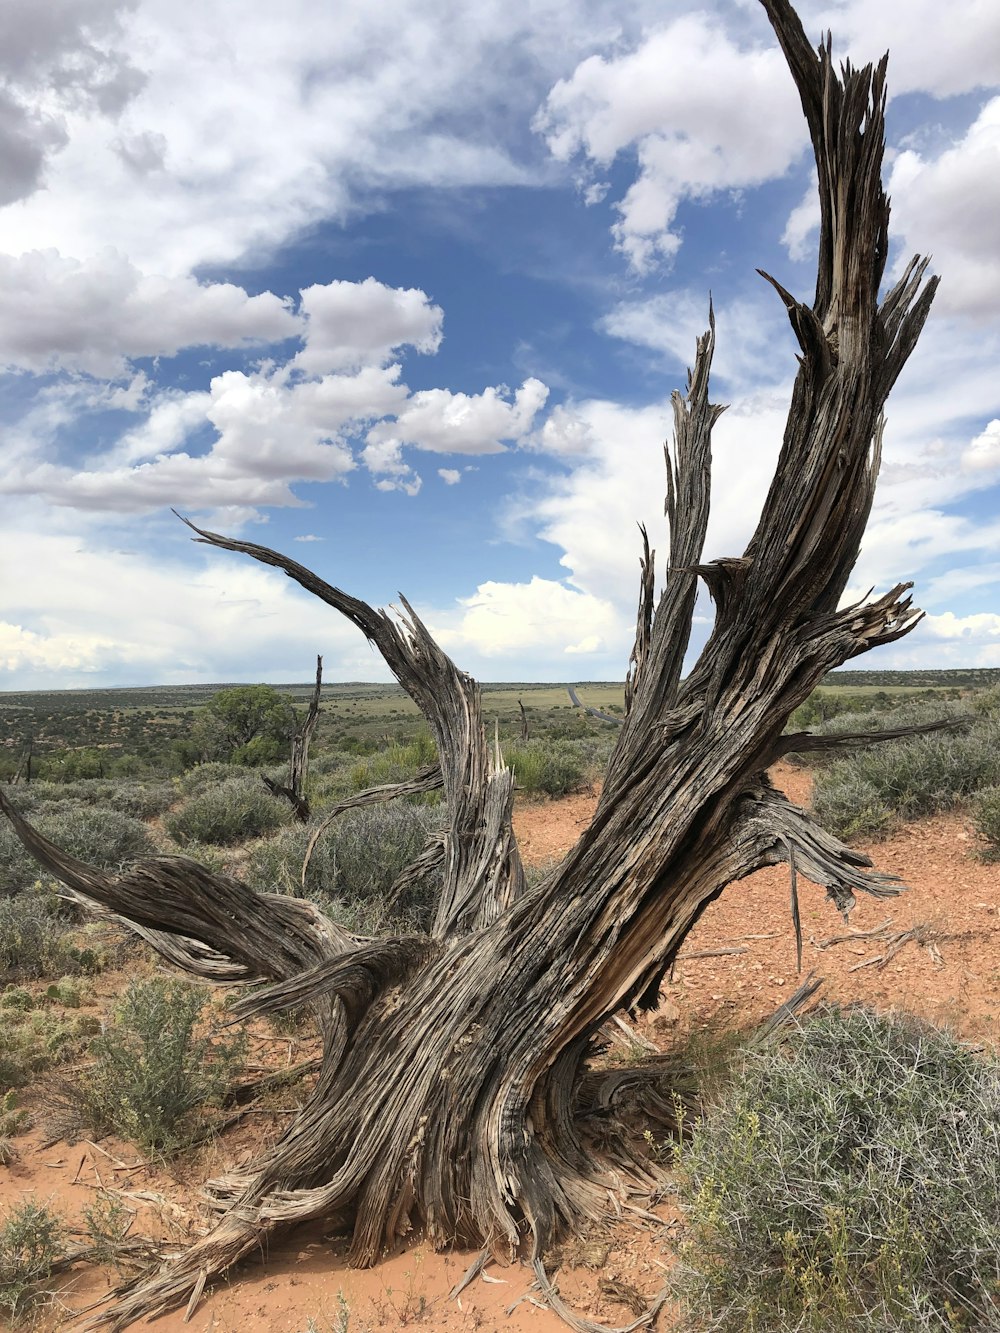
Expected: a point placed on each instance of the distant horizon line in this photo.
(915, 672)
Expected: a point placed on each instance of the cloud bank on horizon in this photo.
(258, 267)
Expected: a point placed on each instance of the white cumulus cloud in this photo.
(350, 324)
(680, 102)
(542, 616)
(59, 313)
(461, 423)
(947, 206)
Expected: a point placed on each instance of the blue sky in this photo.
(403, 289)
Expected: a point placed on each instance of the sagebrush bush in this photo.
(100, 836)
(204, 776)
(31, 1241)
(32, 1041)
(986, 703)
(865, 792)
(144, 800)
(355, 864)
(141, 799)
(234, 811)
(151, 1070)
(847, 1179)
(36, 940)
(986, 818)
(851, 806)
(395, 763)
(546, 766)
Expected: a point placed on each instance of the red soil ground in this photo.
(955, 898)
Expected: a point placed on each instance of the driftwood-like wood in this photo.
(298, 764)
(449, 1094)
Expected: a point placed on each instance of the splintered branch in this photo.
(804, 742)
(482, 872)
(355, 979)
(663, 633)
(298, 766)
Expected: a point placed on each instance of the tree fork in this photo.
(298, 763)
(450, 1091)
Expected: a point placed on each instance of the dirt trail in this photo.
(306, 1277)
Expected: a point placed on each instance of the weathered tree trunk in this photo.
(298, 764)
(454, 1092)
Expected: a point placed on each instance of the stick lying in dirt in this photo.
(921, 934)
(877, 932)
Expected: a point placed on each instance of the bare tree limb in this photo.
(298, 766)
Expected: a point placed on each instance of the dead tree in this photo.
(298, 764)
(454, 1088)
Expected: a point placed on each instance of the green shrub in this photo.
(986, 703)
(274, 865)
(986, 817)
(107, 1221)
(67, 991)
(31, 1042)
(143, 800)
(330, 762)
(35, 939)
(151, 1071)
(354, 865)
(31, 1242)
(851, 806)
(235, 811)
(99, 836)
(847, 1179)
(13, 1121)
(543, 766)
(867, 791)
(20, 869)
(203, 776)
(394, 763)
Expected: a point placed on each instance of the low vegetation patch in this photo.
(230, 812)
(847, 1179)
(152, 1070)
(868, 792)
(546, 767)
(986, 817)
(141, 799)
(35, 938)
(32, 1039)
(31, 1242)
(95, 834)
(354, 866)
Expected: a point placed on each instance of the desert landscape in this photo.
(931, 951)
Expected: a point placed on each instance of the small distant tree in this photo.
(246, 724)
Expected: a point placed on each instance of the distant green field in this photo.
(144, 723)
